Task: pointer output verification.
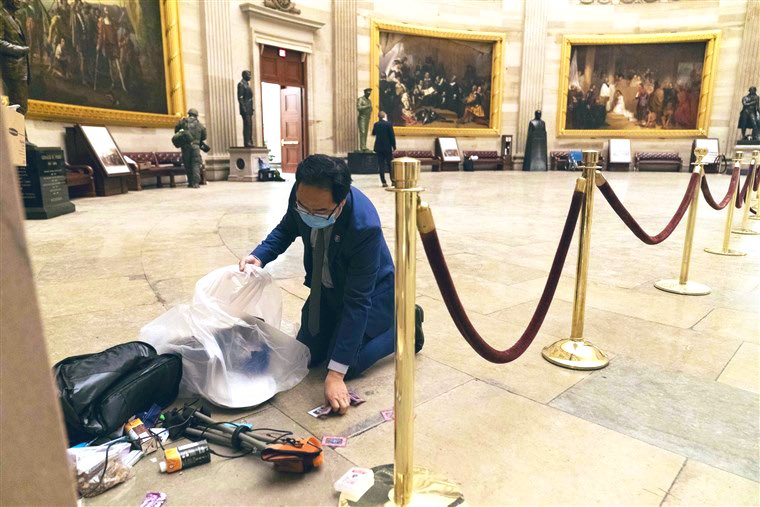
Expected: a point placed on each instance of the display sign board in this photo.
(104, 147)
(620, 151)
(449, 149)
(713, 149)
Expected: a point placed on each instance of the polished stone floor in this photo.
(673, 420)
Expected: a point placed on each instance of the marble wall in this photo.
(509, 16)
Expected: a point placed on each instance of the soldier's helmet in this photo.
(192, 112)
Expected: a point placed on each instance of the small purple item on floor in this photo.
(154, 499)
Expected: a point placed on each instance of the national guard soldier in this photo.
(191, 139)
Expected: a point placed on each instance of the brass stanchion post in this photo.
(745, 228)
(406, 483)
(725, 249)
(682, 285)
(756, 216)
(576, 352)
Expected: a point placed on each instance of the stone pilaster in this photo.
(748, 70)
(221, 81)
(345, 133)
(532, 68)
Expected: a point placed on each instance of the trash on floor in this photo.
(354, 483)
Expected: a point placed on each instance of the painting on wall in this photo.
(637, 86)
(103, 60)
(436, 82)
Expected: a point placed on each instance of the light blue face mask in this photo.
(317, 221)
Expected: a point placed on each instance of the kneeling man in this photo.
(348, 318)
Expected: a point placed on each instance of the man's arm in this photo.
(393, 136)
(279, 239)
(360, 283)
(374, 129)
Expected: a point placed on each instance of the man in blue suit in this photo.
(348, 318)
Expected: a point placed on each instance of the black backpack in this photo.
(100, 392)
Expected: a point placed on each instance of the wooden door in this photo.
(291, 127)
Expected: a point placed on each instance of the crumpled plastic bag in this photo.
(233, 351)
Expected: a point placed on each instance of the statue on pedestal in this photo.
(536, 158)
(364, 110)
(245, 100)
(14, 56)
(750, 115)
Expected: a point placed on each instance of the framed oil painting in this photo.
(436, 82)
(654, 85)
(105, 61)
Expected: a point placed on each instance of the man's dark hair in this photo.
(325, 172)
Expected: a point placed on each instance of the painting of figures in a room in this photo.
(435, 82)
(629, 87)
(104, 54)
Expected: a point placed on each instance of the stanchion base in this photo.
(729, 252)
(429, 490)
(575, 354)
(748, 232)
(685, 289)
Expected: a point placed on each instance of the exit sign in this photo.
(282, 53)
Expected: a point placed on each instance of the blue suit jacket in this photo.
(360, 266)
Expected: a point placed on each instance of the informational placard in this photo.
(105, 149)
(43, 184)
(449, 149)
(713, 149)
(14, 121)
(620, 151)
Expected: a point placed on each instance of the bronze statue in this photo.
(364, 110)
(245, 100)
(750, 115)
(14, 56)
(191, 149)
(536, 158)
(282, 5)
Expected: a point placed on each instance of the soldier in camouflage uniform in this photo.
(191, 152)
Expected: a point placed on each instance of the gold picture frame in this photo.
(497, 39)
(711, 39)
(174, 80)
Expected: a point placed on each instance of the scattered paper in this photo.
(334, 441)
(154, 499)
(387, 414)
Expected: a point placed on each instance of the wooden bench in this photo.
(425, 157)
(658, 161)
(80, 181)
(157, 164)
(485, 158)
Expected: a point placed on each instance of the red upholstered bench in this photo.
(425, 157)
(173, 160)
(487, 158)
(658, 161)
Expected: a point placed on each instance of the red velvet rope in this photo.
(741, 195)
(635, 228)
(757, 181)
(459, 315)
(731, 191)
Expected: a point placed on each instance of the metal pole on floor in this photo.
(682, 285)
(575, 352)
(407, 483)
(726, 248)
(745, 228)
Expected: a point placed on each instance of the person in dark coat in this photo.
(385, 144)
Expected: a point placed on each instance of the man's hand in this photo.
(249, 260)
(336, 393)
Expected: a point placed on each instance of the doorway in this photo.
(283, 105)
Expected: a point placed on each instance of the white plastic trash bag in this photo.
(233, 351)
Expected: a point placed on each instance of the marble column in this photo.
(532, 68)
(221, 82)
(748, 70)
(345, 91)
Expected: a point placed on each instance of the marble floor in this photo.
(673, 420)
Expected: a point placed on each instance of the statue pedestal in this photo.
(362, 162)
(244, 162)
(43, 184)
